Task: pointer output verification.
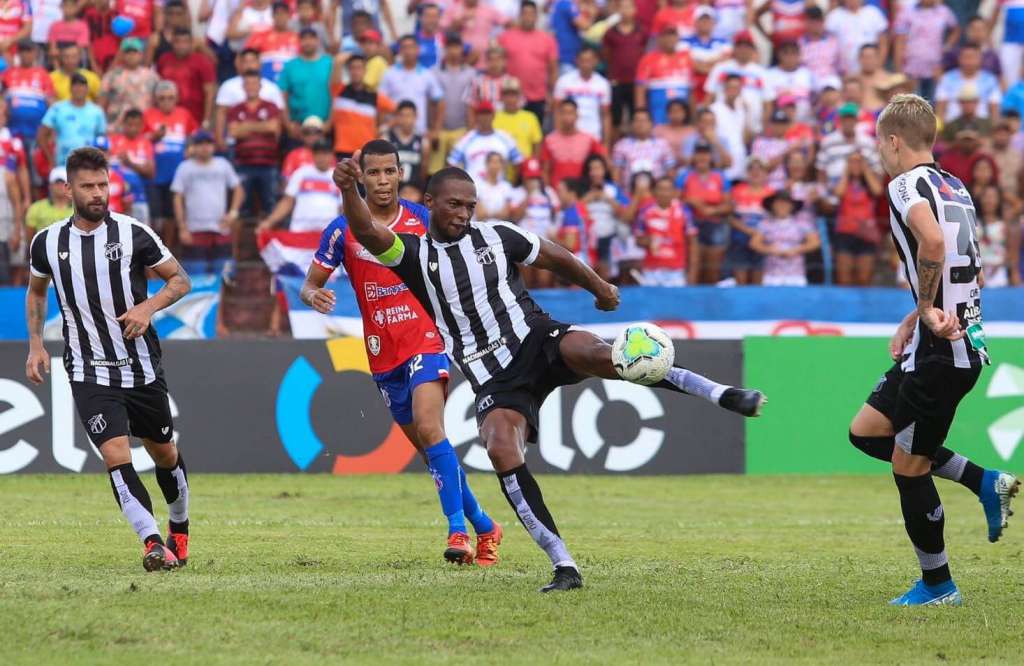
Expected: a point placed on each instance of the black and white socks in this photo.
(523, 494)
(691, 383)
(925, 522)
(133, 499)
(173, 484)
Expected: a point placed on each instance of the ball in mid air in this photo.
(643, 354)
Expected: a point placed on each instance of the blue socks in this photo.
(481, 521)
(444, 467)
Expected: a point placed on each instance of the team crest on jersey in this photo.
(96, 424)
(373, 342)
(484, 256)
(112, 251)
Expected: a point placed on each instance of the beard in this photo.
(91, 215)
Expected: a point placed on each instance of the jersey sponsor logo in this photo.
(484, 256)
(112, 251)
(902, 189)
(396, 314)
(374, 291)
(485, 403)
(373, 342)
(96, 424)
(109, 363)
(378, 318)
(489, 349)
(364, 254)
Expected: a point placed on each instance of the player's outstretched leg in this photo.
(172, 477)
(133, 500)
(590, 356)
(504, 432)
(871, 432)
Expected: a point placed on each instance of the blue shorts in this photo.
(396, 386)
(712, 233)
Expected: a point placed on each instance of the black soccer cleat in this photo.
(747, 402)
(565, 579)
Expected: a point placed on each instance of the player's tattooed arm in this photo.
(564, 264)
(931, 259)
(38, 362)
(929, 277)
(176, 286)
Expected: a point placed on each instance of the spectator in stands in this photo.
(748, 197)
(835, 148)
(857, 233)
(56, 207)
(532, 58)
(201, 211)
(707, 192)
(918, 29)
(133, 152)
(998, 239)
(413, 148)
(566, 149)
(1011, 50)
(641, 151)
(193, 73)
(784, 239)
(28, 91)
(856, 24)
(1013, 99)
(591, 92)
(255, 125)
(496, 197)
(231, 94)
(68, 64)
(373, 12)
(277, 45)
(250, 18)
(790, 78)
(663, 75)
(44, 13)
(960, 158)
(471, 152)
(568, 23)
(819, 49)
(605, 205)
(705, 49)
(103, 43)
(968, 73)
(307, 17)
(802, 184)
(488, 84)
(757, 94)
(976, 31)
(623, 47)
(11, 221)
(517, 122)
(1009, 161)
(877, 81)
(788, 20)
(16, 24)
(407, 79)
(707, 132)
(456, 80)
(377, 55)
(731, 116)
(678, 130)
(128, 84)
(69, 29)
(677, 15)
(72, 123)
(312, 132)
(984, 173)
(311, 198)
(217, 15)
(429, 35)
(305, 83)
(967, 100)
(475, 20)
(360, 22)
(357, 112)
(669, 239)
(175, 15)
(119, 194)
(168, 127)
(538, 211)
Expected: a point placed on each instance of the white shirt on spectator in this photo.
(757, 91)
(417, 85)
(729, 122)
(799, 83)
(44, 14)
(317, 200)
(953, 81)
(231, 93)
(495, 196)
(591, 95)
(854, 30)
(205, 188)
(471, 151)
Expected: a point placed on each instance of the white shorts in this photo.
(784, 281)
(663, 277)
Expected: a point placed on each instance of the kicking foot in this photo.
(943, 594)
(178, 543)
(997, 490)
(459, 551)
(487, 546)
(747, 402)
(565, 579)
(158, 557)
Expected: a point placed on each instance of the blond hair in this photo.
(911, 118)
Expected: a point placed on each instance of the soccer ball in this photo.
(643, 354)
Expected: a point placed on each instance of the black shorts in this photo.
(536, 371)
(855, 245)
(161, 202)
(108, 412)
(921, 404)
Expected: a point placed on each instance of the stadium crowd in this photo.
(666, 142)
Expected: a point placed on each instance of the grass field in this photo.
(317, 569)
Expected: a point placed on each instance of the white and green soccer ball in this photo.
(643, 354)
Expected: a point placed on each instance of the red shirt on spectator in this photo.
(530, 54)
(645, 11)
(140, 11)
(190, 74)
(103, 43)
(118, 190)
(680, 18)
(960, 164)
(670, 231)
(13, 15)
(259, 148)
(567, 152)
(299, 157)
(76, 31)
(140, 149)
(856, 215)
(12, 150)
(624, 53)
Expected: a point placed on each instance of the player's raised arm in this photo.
(375, 237)
(931, 259)
(564, 264)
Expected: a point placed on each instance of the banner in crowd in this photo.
(194, 317)
(816, 385)
(709, 313)
(290, 406)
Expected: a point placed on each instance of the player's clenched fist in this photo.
(608, 298)
(347, 173)
(323, 300)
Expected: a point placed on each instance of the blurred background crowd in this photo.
(666, 142)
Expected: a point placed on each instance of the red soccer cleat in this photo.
(158, 557)
(487, 546)
(178, 543)
(459, 551)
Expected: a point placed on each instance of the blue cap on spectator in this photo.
(202, 136)
(102, 143)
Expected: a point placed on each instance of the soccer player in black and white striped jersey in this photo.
(939, 348)
(466, 275)
(97, 261)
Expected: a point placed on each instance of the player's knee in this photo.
(116, 451)
(163, 454)
(502, 439)
(876, 447)
(429, 433)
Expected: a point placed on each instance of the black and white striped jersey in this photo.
(98, 276)
(959, 292)
(474, 292)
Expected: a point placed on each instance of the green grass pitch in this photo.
(318, 569)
